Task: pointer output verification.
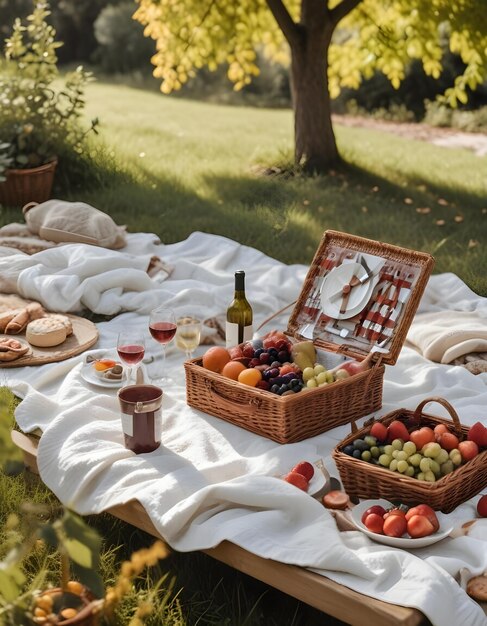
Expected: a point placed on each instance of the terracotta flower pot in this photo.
(85, 616)
(29, 185)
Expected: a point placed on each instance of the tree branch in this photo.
(343, 9)
(284, 20)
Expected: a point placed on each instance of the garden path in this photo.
(447, 137)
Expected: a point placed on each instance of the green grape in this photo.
(410, 471)
(375, 452)
(395, 453)
(415, 459)
(409, 448)
(311, 383)
(431, 450)
(447, 467)
(393, 465)
(402, 455)
(318, 369)
(385, 459)
(429, 476)
(420, 476)
(321, 378)
(308, 374)
(442, 457)
(402, 466)
(455, 456)
(435, 467)
(329, 377)
(388, 450)
(397, 444)
(366, 456)
(371, 441)
(424, 465)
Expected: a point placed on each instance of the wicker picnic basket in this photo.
(288, 419)
(365, 480)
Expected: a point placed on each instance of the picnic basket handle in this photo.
(444, 403)
(249, 409)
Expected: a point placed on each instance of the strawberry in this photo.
(298, 480)
(478, 433)
(305, 469)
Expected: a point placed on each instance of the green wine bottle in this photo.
(239, 315)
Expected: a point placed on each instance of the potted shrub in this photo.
(78, 602)
(38, 119)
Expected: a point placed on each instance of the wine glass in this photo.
(188, 334)
(162, 327)
(131, 349)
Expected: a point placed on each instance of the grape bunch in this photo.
(429, 464)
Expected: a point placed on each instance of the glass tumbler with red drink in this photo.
(162, 327)
(131, 349)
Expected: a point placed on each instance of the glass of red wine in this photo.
(131, 349)
(162, 327)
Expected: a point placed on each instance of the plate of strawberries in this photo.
(306, 476)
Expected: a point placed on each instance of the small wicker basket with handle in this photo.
(364, 480)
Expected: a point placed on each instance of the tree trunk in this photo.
(315, 144)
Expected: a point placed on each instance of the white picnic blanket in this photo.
(218, 483)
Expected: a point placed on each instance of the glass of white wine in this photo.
(188, 334)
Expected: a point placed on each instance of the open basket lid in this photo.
(360, 295)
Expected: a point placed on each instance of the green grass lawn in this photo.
(174, 166)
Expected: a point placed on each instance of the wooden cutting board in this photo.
(85, 335)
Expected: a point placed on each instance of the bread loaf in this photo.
(6, 317)
(18, 323)
(45, 332)
(11, 349)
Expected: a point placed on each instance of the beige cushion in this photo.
(76, 222)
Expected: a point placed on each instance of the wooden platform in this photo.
(317, 591)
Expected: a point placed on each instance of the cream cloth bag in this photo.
(74, 222)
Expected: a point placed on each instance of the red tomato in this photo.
(419, 526)
(448, 441)
(439, 430)
(482, 506)
(374, 523)
(426, 511)
(422, 436)
(468, 450)
(376, 508)
(395, 526)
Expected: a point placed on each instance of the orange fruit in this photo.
(232, 369)
(75, 587)
(216, 358)
(249, 376)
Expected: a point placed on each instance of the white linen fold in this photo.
(211, 480)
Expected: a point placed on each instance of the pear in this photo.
(303, 354)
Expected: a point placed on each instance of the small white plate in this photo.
(398, 542)
(359, 295)
(89, 374)
(316, 484)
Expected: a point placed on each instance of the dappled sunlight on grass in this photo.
(173, 166)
